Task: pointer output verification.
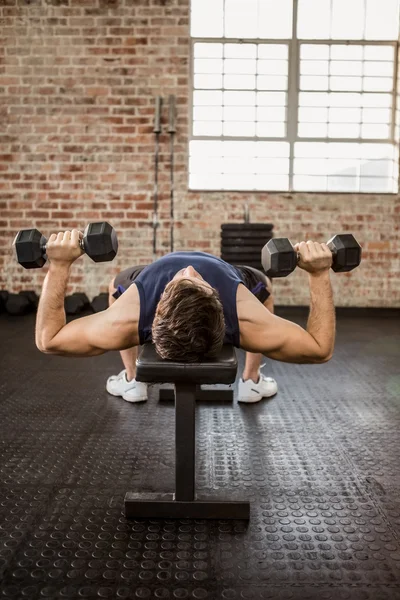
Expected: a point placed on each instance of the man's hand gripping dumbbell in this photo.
(280, 257)
(99, 242)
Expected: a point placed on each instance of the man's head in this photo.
(189, 320)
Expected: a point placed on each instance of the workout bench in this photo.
(186, 377)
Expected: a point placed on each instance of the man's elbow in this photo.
(324, 357)
(44, 347)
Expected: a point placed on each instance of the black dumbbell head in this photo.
(100, 242)
(29, 248)
(346, 252)
(278, 257)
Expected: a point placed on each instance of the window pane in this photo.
(207, 113)
(308, 82)
(241, 18)
(239, 82)
(347, 19)
(346, 67)
(350, 167)
(275, 19)
(270, 129)
(345, 52)
(271, 166)
(346, 83)
(235, 164)
(239, 98)
(238, 66)
(313, 130)
(239, 165)
(345, 115)
(239, 128)
(378, 100)
(377, 168)
(382, 20)
(317, 27)
(207, 65)
(206, 164)
(271, 98)
(240, 51)
(313, 115)
(272, 67)
(314, 67)
(378, 84)
(238, 182)
(266, 113)
(274, 51)
(379, 53)
(207, 81)
(379, 69)
(310, 183)
(376, 115)
(375, 184)
(272, 149)
(201, 24)
(272, 182)
(212, 128)
(313, 99)
(271, 82)
(314, 51)
(345, 100)
(239, 113)
(311, 166)
(344, 130)
(377, 131)
(207, 98)
(208, 182)
(342, 184)
(207, 128)
(208, 50)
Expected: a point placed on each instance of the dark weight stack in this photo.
(242, 243)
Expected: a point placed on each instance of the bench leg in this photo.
(220, 395)
(184, 504)
(164, 506)
(185, 441)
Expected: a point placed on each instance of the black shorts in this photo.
(256, 281)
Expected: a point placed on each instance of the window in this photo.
(288, 103)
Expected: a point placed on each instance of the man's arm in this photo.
(283, 340)
(112, 329)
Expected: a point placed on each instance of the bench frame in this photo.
(184, 503)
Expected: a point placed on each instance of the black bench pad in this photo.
(151, 368)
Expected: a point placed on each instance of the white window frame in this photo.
(293, 98)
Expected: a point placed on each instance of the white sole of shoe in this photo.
(250, 400)
(141, 399)
(256, 398)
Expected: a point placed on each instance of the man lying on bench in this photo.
(188, 304)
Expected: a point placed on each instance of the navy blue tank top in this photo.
(220, 275)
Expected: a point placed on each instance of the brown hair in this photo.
(189, 322)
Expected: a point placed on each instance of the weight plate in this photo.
(247, 226)
(241, 250)
(240, 259)
(245, 233)
(244, 242)
(254, 265)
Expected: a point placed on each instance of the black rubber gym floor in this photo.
(319, 462)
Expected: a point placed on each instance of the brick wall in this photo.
(78, 80)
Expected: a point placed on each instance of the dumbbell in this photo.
(99, 243)
(279, 258)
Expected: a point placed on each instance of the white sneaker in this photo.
(250, 391)
(137, 393)
(132, 391)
